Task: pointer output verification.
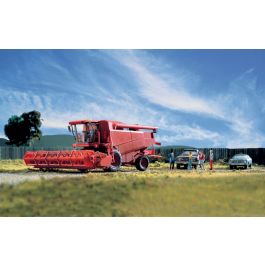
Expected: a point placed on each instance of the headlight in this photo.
(245, 161)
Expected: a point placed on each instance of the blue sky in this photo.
(203, 98)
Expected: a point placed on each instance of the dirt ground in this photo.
(154, 171)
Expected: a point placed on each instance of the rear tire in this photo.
(142, 163)
(231, 167)
(116, 164)
(178, 166)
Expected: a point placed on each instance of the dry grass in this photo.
(12, 165)
(156, 192)
(233, 196)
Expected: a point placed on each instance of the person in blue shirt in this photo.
(171, 159)
(190, 161)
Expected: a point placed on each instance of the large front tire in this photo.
(116, 164)
(142, 163)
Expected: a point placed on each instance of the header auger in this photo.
(100, 144)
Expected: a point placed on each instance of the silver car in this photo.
(240, 160)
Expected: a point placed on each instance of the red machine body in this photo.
(100, 144)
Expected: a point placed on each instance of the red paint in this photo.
(96, 143)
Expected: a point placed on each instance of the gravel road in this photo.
(18, 177)
(15, 178)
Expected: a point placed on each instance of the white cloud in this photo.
(184, 132)
(54, 123)
(227, 108)
(158, 91)
(242, 110)
(112, 101)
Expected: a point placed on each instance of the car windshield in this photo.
(186, 153)
(240, 156)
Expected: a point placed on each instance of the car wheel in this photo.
(231, 167)
(178, 166)
(245, 167)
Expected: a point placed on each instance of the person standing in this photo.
(190, 161)
(201, 160)
(211, 159)
(171, 160)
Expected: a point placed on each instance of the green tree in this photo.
(20, 130)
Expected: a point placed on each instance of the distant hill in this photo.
(3, 141)
(64, 141)
(54, 141)
(49, 141)
(174, 147)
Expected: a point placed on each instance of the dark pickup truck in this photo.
(182, 160)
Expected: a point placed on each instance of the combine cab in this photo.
(100, 144)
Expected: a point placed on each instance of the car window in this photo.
(240, 156)
(186, 153)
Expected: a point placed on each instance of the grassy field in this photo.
(157, 192)
(12, 166)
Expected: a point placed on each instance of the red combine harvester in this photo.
(100, 144)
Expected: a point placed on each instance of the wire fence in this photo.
(257, 154)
